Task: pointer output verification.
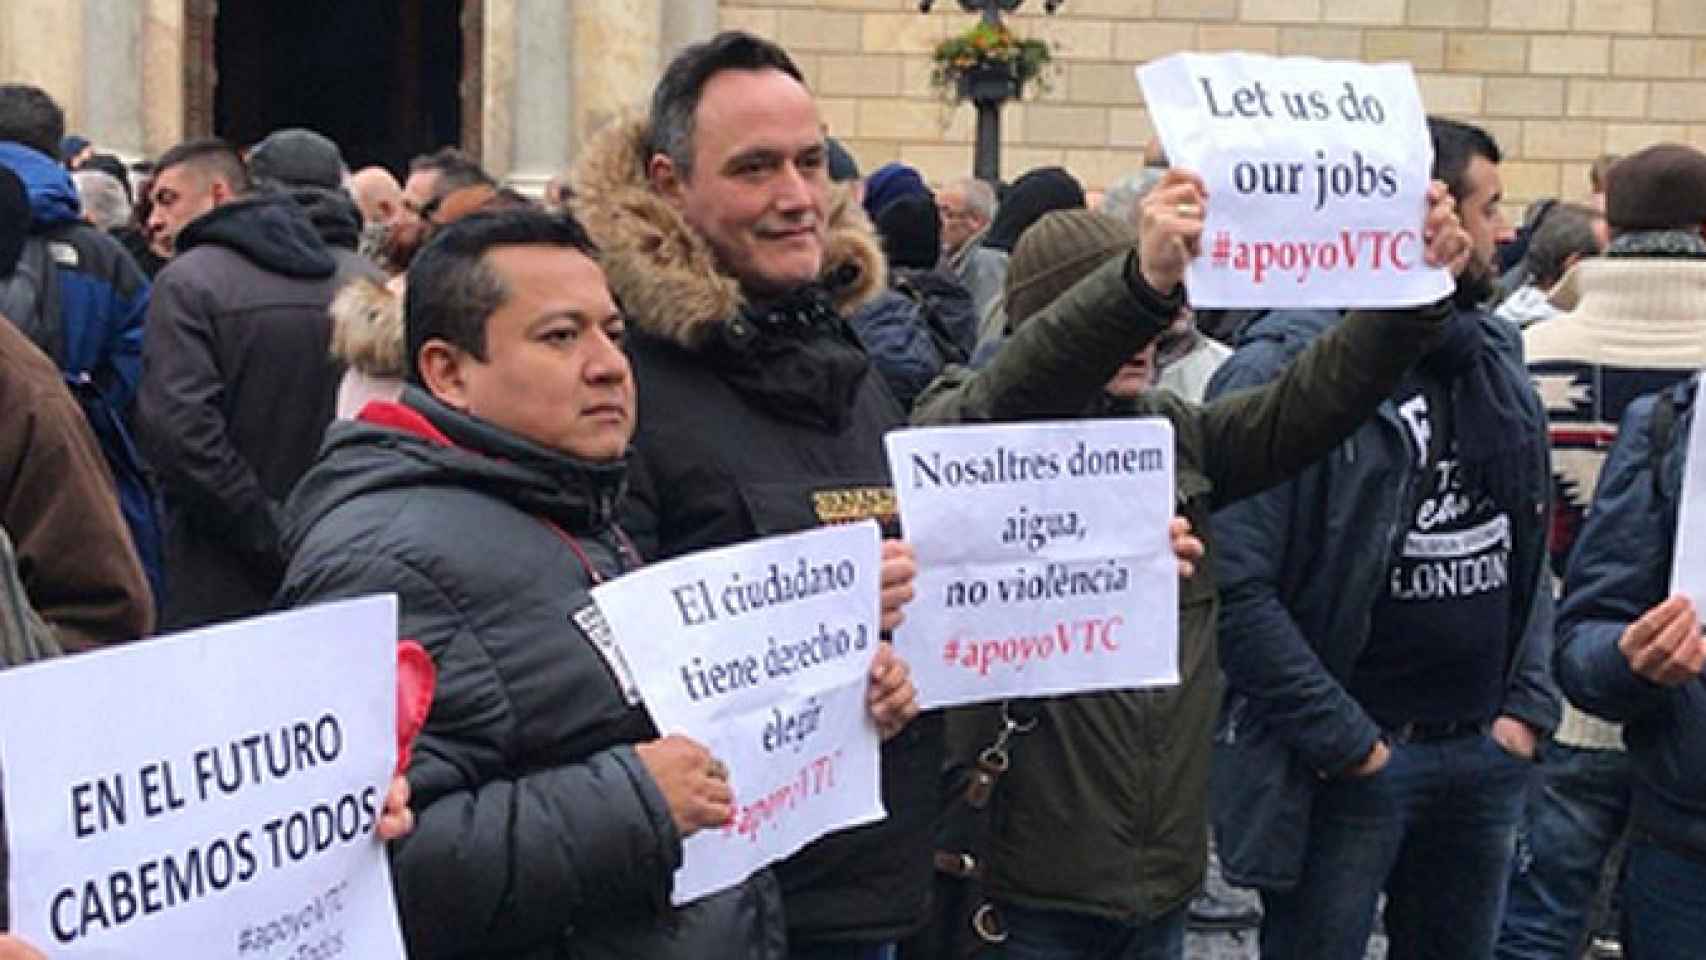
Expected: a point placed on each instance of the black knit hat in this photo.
(1038, 192)
(299, 158)
(1059, 250)
(912, 231)
(1660, 188)
(842, 166)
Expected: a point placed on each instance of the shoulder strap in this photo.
(1660, 427)
(30, 298)
(24, 636)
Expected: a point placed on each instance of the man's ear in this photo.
(219, 190)
(444, 373)
(666, 179)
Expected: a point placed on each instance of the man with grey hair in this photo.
(967, 207)
(104, 202)
(1121, 200)
(1568, 233)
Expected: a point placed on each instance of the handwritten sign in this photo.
(1688, 564)
(209, 794)
(1045, 565)
(1317, 173)
(761, 652)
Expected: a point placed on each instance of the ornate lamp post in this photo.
(989, 86)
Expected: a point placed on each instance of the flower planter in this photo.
(989, 83)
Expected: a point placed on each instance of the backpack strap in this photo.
(1660, 428)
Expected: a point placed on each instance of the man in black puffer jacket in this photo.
(237, 382)
(550, 816)
(760, 412)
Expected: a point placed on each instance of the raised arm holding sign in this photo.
(1071, 834)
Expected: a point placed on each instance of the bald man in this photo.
(377, 193)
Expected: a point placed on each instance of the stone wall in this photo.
(1558, 82)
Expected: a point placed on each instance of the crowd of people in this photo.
(1431, 671)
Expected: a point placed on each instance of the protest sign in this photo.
(761, 652)
(1045, 564)
(211, 794)
(1688, 562)
(1317, 174)
(207, 795)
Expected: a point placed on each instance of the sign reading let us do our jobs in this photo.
(1317, 174)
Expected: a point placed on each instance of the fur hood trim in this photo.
(367, 328)
(663, 271)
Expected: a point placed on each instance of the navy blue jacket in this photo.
(1300, 568)
(95, 337)
(1620, 569)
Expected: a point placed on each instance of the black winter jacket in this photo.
(540, 833)
(759, 420)
(1300, 567)
(237, 389)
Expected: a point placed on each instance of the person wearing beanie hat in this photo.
(1074, 860)
(297, 157)
(842, 167)
(926, 319)
(911, 230)
(891, 182)
(310, 169)
(1634, 323)
(1034, 194)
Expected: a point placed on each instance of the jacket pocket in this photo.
(1259, 799)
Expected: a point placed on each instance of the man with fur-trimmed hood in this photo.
(759, 413)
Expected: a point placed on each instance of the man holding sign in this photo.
(1629, 652)
(1387, 632)
(1103, 834)
(550, 815)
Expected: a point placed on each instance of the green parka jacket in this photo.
(1105, 809)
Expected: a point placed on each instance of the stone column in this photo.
(685, 22)
(615, 60)
(556, 71)
(41, 43)
(162, 76)
(544, 93)
(113, 78)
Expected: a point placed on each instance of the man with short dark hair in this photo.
(432, 177)
(550, 814)
(237, 385)
(737, 264)
(1386, 635)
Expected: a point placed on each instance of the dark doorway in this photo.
(383, 78)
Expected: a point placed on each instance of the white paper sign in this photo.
(1688, 562)
(211, 794)
(761, 652)
(1045, 565)
(1317, 173)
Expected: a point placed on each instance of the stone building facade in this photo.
(1557, 81)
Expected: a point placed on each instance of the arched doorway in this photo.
(386, 79)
